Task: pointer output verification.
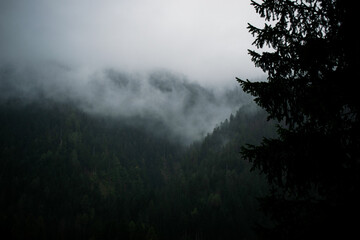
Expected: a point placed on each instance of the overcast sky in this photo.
(206, 40)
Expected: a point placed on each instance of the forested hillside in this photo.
(122, 120)
(68, 174)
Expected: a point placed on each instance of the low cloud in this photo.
(206, 40)
(162, 101)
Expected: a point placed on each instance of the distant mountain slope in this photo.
(66, 174)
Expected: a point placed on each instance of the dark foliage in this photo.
(313, 71)
(65, 174)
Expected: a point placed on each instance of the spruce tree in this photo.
(311, 89)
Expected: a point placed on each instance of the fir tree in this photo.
(313, 167)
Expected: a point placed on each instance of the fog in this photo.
(169, 60)
(165, 103)
(206, 40)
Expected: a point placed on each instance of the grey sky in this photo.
(206, 40)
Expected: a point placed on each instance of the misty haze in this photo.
(169, 119)
(184, 110)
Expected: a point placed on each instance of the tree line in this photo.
(67, 174)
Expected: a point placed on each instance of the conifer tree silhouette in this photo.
(313, 68)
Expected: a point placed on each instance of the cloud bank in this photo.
(206, 40)
(161, 101)
(104, 56)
